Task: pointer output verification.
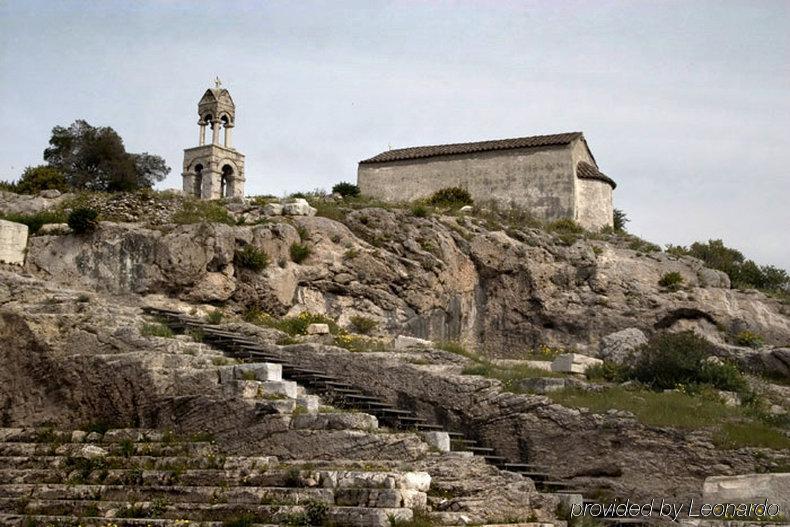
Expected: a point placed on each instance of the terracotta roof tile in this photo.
(585, 170)
(467, 148)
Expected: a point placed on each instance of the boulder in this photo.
(438, 440)
(318, 329)
(299, 207)
(573, 363)
(713, 278)
(13, 242)
(748, 488)
(54, 229)
(213, 287)
(92, 452)
(259, 371)
(542, 385)
(49, 193)
(403, 342)
(620, 347)
(273, 209)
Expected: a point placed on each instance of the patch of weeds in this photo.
(299, 410)
(421, 518)
(363, 325)
(750, 339)
(419, 210)
(83, 298)
(671, 281)
(738, 435)
(248, 375)
(126, 447)
(196, 334)
(35, 221)
(303, 233)
(250, 257)
(296, 325)
(199, 211)
(242, 520)
(453, 197)
(299, 252)
(509, 376)
(359, 344)
(350, 254)
(156, 330)
(222, 361)
(214, 317)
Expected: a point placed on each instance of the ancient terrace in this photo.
(554, 176)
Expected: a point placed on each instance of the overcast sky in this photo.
(685, 104)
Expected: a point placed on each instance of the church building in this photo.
(552, 176)
(214, 170)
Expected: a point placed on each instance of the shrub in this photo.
(214, 317)
(346, 189)
(620, 220)
(671, 280)
(156, 330)
(747, 338)
(363, 325)
(34, 222)
(42, 177)
(451, 197)
(419, 210)
(299, 252)
(250, 257)
(198, 211)
(670, 360)
(742, 272)
(83, 220)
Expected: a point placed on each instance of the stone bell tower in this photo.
(215, 170)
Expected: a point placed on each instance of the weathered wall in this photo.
(539, 179)
(13, 242)
(593, 198)
(593, 204)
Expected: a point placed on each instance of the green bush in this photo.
(742, 272)
(83, 220)
(42, 177)
(608, 371)
(363, 325)
(748, 338)
(671, 280)
(299, 252)
(419, 210)
(156, 330)
(670, 360)
(250, 257)
(620, 220)
(451, 197)
(346, 189)
(199, 211)
(35, 221)
(566, 225)
(214, 317)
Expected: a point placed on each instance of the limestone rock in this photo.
(318, 329)
(713, 278)
(273, 209)
(542, 384)
(259, 371)
(748, 488)
(573, 363)
(49, 193)
(438, 440)
(213, 287)
(299, 207)
(13, 242)
(404, 342)
(621, 346)
(54, 229)
(92, 452)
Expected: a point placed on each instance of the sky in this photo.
(686, 104)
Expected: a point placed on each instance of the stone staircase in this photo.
(343, 394)
(146, 477)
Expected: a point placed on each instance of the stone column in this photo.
(228, 135)
(189, 183)
(215, 131)
(202, 140)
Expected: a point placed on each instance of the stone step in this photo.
(558, 485)
(261, 477)
(278, 514)
(170, 463)
(495, 460)
(13, 520)
(117, 435)
(520, 467)
(481, 450)
(428, 427)
(175, 494)
(114, 449)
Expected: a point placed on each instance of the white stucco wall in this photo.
(592, 197)
(538, 179)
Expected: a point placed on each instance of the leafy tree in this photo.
(42, 177)
(620, 220)
(346, 189)
(742, 272)
(94, 158)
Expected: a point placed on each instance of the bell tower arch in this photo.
(214, 170)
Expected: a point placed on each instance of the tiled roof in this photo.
(585, 170)
(467, 148)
